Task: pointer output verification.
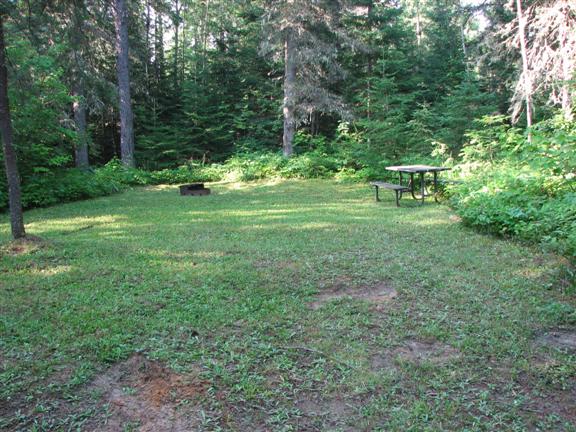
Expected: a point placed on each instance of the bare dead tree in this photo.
(525, 83)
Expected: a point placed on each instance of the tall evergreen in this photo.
(10, 159)
(306, 35)
(123, 72)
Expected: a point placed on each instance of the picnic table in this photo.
(417, 189)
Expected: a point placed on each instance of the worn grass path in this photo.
(290, 306)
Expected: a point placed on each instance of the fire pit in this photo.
(194, 189)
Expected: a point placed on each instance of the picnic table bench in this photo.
(410, 185)
(398, 189)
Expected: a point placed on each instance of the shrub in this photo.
(62, 186)
(511, 186)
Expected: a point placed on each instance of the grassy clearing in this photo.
(222, 287)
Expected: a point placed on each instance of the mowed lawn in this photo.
(280, 306)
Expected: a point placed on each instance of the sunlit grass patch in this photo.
(224, 285)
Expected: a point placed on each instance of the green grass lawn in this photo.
(289, 306)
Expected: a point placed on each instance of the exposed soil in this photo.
(416, 351)
(325, 413)
(24, 245)
(379, 293)
(382, 362)
(560, 403)
(144, 394)
(544, 403)
(559, 339)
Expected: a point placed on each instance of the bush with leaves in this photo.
(524, 188)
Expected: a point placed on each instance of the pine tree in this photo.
(305, 35)
(10, 161)
(123, 71)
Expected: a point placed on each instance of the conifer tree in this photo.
(305, 35)
(123, 72)
(10, 160)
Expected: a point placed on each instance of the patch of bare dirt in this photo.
(23, 246)
(379, 293)
(382, 361)
(144, 393)
(325, 413)
(543, 404)
(561, 404)
(416, 351)
(559, 339)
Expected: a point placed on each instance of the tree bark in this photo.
(159, 48)
(123, 72)
(566, 78)
(10, 161)
(79, 105)
(176, 22)
(289, 94)
(525, 67)
(566, 96)
(148, 48)
(79, 109)
(418, 26)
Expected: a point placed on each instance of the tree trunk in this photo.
(370, 68)
(79, 105)
(566, 78)
(566, 96)
(10, 162)
(289, 94)
(122, 67)
(525, 69)
(79, 109)
(418, 26)
(159, 49)
(148, 49)
(176, 21)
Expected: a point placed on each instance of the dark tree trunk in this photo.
(123, 71)
(148, 49)
(10, 162)
(289, 95)
(159, 48)
(176, 21)
(79, 108)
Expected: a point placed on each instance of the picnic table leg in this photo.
(377, 197)
(398, 197)
(422, 190)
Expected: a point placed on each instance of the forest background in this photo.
(247, 90)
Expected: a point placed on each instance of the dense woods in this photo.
(195, 89)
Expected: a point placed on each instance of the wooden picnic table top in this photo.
(416, 168)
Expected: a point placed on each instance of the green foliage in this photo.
(315, 164)
(63, 185)
(511, 186)
(38, 99)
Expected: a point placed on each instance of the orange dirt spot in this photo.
(145, 394)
